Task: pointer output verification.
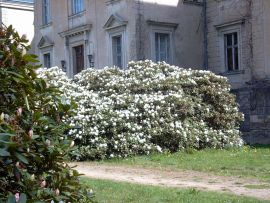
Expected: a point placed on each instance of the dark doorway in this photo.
(78, 59)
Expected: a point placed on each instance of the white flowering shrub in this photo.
(148, 107)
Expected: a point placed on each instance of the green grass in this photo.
(114, 192)
(257, 186)
(244, 162)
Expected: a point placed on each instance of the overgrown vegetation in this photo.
(148, 107)
(33, 148)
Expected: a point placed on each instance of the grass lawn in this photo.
(244, 162)
(114, 192)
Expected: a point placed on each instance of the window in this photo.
(46, 12)
(161, 41)
(77, 6)
(117, 51)
(117, 41)
(231, 51)
(162, 47)
(78, 59)
(47, 60)
(230, 46)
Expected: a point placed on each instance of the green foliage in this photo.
(33, 147)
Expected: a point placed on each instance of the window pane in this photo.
(231, 51)
(117, 51)
(46, 11)
(162, 47)
(229, 40)
(47, 60)
(235, 37)
(229, 59)
(236, 59)
(77, 6)
(157, 46)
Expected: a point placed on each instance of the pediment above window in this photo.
(115, 21)
(45, 42)
(76, 31)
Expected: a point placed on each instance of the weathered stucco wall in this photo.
(250, 84)
(188, 36)
(219, 14)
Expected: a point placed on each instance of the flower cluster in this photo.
(148, 107)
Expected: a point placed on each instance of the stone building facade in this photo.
(77, 34)
(20, 14)
(238, 47)
(228, 37)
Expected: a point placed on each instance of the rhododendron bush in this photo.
(148, 107)
(33, 148)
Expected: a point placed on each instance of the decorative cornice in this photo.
(16, 5)
(231, 23)
(164, 24)
(76, 31)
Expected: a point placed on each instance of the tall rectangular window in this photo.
(47, 60)
(117, 51)
(162, 47)
(46, 11)
(77, 6)
(231, 45)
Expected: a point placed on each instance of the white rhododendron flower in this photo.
(147, 107)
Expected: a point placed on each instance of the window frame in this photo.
(162, 30)
(167, 48)
(114, 32)
(229, 29)
(116, 54)
(50, 59)
(233, 47)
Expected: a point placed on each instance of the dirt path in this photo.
(181, 179)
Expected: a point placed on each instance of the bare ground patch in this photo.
(176, 178)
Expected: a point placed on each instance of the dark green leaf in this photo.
(11, 199)
(21, 157)
(4, 152)
(23, 198)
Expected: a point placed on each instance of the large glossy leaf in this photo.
(4, 152)
(11, 199)
(23, 198)
(21, 157)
